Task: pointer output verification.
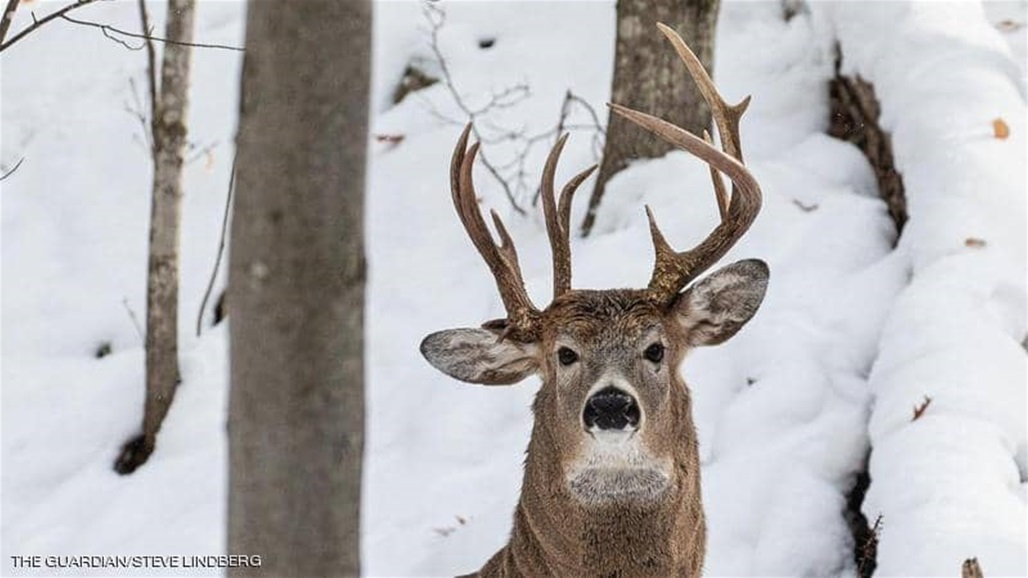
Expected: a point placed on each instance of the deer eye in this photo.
(566, 356)
(654, 353)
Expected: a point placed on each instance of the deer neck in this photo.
(555, 535)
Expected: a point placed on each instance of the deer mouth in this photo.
(616, 468)
(599, 486)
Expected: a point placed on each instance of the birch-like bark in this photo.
(169, 140)
(296, 269)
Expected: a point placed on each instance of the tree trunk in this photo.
(648, 76)
(169, 140)
(296, 407)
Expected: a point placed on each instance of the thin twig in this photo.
(565, 110)
(11, 172)
(151, 64)
(869, 549)
(221, 247)
(8, 17)
(108, 28)
(124, 43)
(135, 321)
(136, 110)
(562, 126)
(436, 18)
(37, 23)
(600, 134)
(511, 175)
(197, 152)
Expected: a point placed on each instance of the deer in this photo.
(611, 481)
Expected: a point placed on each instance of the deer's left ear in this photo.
(719, 305)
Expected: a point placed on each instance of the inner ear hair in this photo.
(475, 355)
(717, 307)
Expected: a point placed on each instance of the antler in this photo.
(558, 218)
(522, 315)
(673, 270)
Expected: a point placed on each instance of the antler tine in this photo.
(558, 218)
(719, 185)
(672, 270)
(567, 194)
(726, 116)
(560, 243)
(502, 259)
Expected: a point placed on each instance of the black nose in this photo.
(611, 408)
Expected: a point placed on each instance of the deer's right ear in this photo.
(479, 356)
(716, 307)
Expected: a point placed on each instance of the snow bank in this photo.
(781, 408)
(950, 485)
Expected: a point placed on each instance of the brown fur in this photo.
(553, 534)
(594, 505)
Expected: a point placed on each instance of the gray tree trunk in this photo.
(169, 141)
(649, 77)
(296, 407)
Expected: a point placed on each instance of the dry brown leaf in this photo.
(1000, 129)
(920, 408)
(391, 141)
(974, 242)
(1008, 25)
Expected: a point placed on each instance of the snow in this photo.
(854, 332)
(950, 485)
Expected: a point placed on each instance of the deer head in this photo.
(613, 429)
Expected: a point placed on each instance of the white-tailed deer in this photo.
(612, 478)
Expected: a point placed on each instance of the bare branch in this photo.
(197, 152)
(135, 320)
(110, 36)
(36, 24)
(562, 125)
(221, 247)
(436, 18)
(108, 30)
(868, 552)
(600, 133)
(512, 175)
(506, 98)
(136, 110)
(11, 172)
(8, 17)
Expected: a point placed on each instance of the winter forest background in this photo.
(894, 358)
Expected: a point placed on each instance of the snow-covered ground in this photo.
(854, 332)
